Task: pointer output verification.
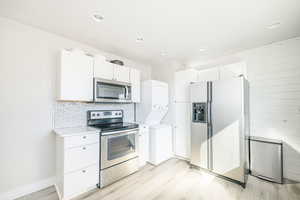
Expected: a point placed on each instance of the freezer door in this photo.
(199, 126)
(227, 140)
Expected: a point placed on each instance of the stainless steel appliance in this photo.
(266, 159)
(111, 91)
(119, 145)
(220, 125)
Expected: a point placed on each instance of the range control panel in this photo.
(106, 114)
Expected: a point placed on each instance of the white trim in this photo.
(182, 158)
(58, 192)
(27, 189)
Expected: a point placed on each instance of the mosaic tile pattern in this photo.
(73, 114)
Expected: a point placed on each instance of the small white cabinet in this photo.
(182, 129)
(232, 70)
(143, 144)
(77, 161)
(121, 73)
(208, 75)
(75, 78)
(109, 71)
(102, 68)
(182, 83)
(135, 79)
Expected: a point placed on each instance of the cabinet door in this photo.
(208, 74)
(76, 76)
(122, 73)
(143, 147)
(182, 83)
(79, 157)
(135, 79)
(233, 70)
(103, 69)
(182, 130)
(80, 181)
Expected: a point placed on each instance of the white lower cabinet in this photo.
(81, 180)
(143, 145)
(77, 164)
(182, 130)
(78, 157)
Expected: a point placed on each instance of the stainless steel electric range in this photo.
(118, 145)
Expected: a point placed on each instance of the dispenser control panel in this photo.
(199, 112)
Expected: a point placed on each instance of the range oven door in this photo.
(111, 91)
(117, 147)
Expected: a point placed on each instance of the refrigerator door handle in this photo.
(209, 125)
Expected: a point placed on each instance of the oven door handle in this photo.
(120, 133)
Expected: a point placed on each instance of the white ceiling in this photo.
(178, 28)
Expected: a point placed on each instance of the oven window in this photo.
(120, 146)
(110, 91)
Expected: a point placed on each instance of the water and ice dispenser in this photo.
(199, 112)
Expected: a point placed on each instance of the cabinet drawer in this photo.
(81, 140)
(80, 157)
(79, 181)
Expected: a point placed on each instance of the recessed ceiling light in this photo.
(274, 25)
(163, 53)
(139, 39)
(201, 50)
(97, 17)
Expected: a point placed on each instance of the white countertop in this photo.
(75, 131)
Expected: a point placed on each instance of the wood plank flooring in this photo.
(175, 180)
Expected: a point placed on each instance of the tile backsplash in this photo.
(73, 114)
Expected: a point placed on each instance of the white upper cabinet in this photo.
(233, 70)
(103, 69)
(75, 76)
(211, 74)
(110, 71)
(182, 83)
(121, 73)
(135, 79)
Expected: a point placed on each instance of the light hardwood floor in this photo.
(174, 180)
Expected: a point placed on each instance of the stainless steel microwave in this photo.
(111, 91)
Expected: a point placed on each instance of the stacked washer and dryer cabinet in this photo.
(153, 108)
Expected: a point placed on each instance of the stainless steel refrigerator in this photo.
(220, 126)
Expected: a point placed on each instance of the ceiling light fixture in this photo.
(274, 25)
(98, 17)
(163, 53)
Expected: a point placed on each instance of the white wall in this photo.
(165, 72)
(274, 77)
(28, 61)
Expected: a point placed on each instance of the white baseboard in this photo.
(27, 189)
(182, 158)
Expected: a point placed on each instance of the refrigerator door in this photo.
(199, 128)
(227, 139)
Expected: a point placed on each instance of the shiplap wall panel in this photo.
(274, 77)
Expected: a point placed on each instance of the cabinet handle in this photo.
(83, 171)
(84, 137)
